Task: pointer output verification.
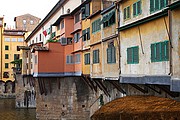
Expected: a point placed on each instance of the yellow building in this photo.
(10, 40)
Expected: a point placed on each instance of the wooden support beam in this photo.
(167, 90)
(23, 82)
(40, 86)
(102, 87)
(59, 84)
(117, 86)
(149, 86)
(139, 88)
(50, 87)
(44, 87)
(87, 82)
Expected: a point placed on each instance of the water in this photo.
(8, 111)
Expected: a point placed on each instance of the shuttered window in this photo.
(133, 55)
(86, 34)
(77, 58)
(87, 58)
(137, 8)
(85, 11)
(156, 5)
(95, 56)
(127, 13)
(111, 54)
(160, 51)
(96, 26)
(109, 19)
(69, 59)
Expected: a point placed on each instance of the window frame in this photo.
(137, 11)
(154, 7)
(6, 65)
(133, 55)
(6, 56)
(112, 58)
(127, 14)
(96, 56)
(6, 47)
(87, 59)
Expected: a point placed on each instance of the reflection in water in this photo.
(8, 111)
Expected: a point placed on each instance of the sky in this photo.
(12, 8)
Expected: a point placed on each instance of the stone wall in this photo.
(25, 93)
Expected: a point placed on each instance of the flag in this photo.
(45, 33)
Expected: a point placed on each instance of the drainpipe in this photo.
(170, 39)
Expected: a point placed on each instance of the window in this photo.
(69, 59)
(133, 55)
(108, 19)
(40, 37)
(13, 39)
(6, 65)
(16, 56)
(137, 8)
(95, 56)
(156, 5)
(85, 11)
(111, 53)
(127, 13)
(6, 47)
(96, 25)
(20, 39)
(160, 51)
(24, 22)
(6, 75)
(77, 58)
(77, 17)
(62, 24)
(7, 39)
(69, 41)
(35, 59)
(86, 34)
(58, 27)
(6, 56)
(31, 22)
(87, 58)
(53, 34)
(76, 37)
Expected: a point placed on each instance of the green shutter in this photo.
(152, 5)
(94, 56)
(152, 53)
(97, 54)
(139, 7)
(158, 51)
(125, 13)
(162, 4)
(163, 50)
(166, 50)
(157, 4)
(113, 59)
(134, 9)
(84, 35)
(88, 33)
(128, 12)
(129, 55)
(136, 54)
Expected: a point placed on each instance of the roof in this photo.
(25, 15)
(48, 16)
(14, 32)
(39, 48)
(60, 19)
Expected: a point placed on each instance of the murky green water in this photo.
(8, 111)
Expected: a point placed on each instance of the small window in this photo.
(111, 53)
(88, 33)
(96, 26)
(127, 13)
(20, 39)
(35, 59)
(160, 51)
(24, 22)
(77, 17)
(13, 39)
(62, 24)
(77, 58)
(137, 8)
(6, 75)
(109, 19)
(69, 59)
(84, 35)
(7, 39)
(95, 56)
(58, 27)
(6, 65)
(6, 56)
(76, 37)
(31, 22)
(156, 5)
(85, 11)
(6, 47)
(133, 55)
(16, 56)
(87, 58)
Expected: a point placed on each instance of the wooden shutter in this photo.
(94, 56)
(128, 12)
(153, 53)
(88, 58)
(129, 55)
(113, 54)
(157, 3)
(125, 13)
(109, 55)
(166, 50)
(162, 4)
(163, 50)
(87, 9)
(84, 35)
(158, 51)
(88, 33)
(139, 7)
(136, 54)
(134, 9)
(152, 5)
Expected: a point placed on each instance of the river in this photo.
(9, 112)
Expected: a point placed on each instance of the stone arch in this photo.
(2, 87)
(8, 86)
